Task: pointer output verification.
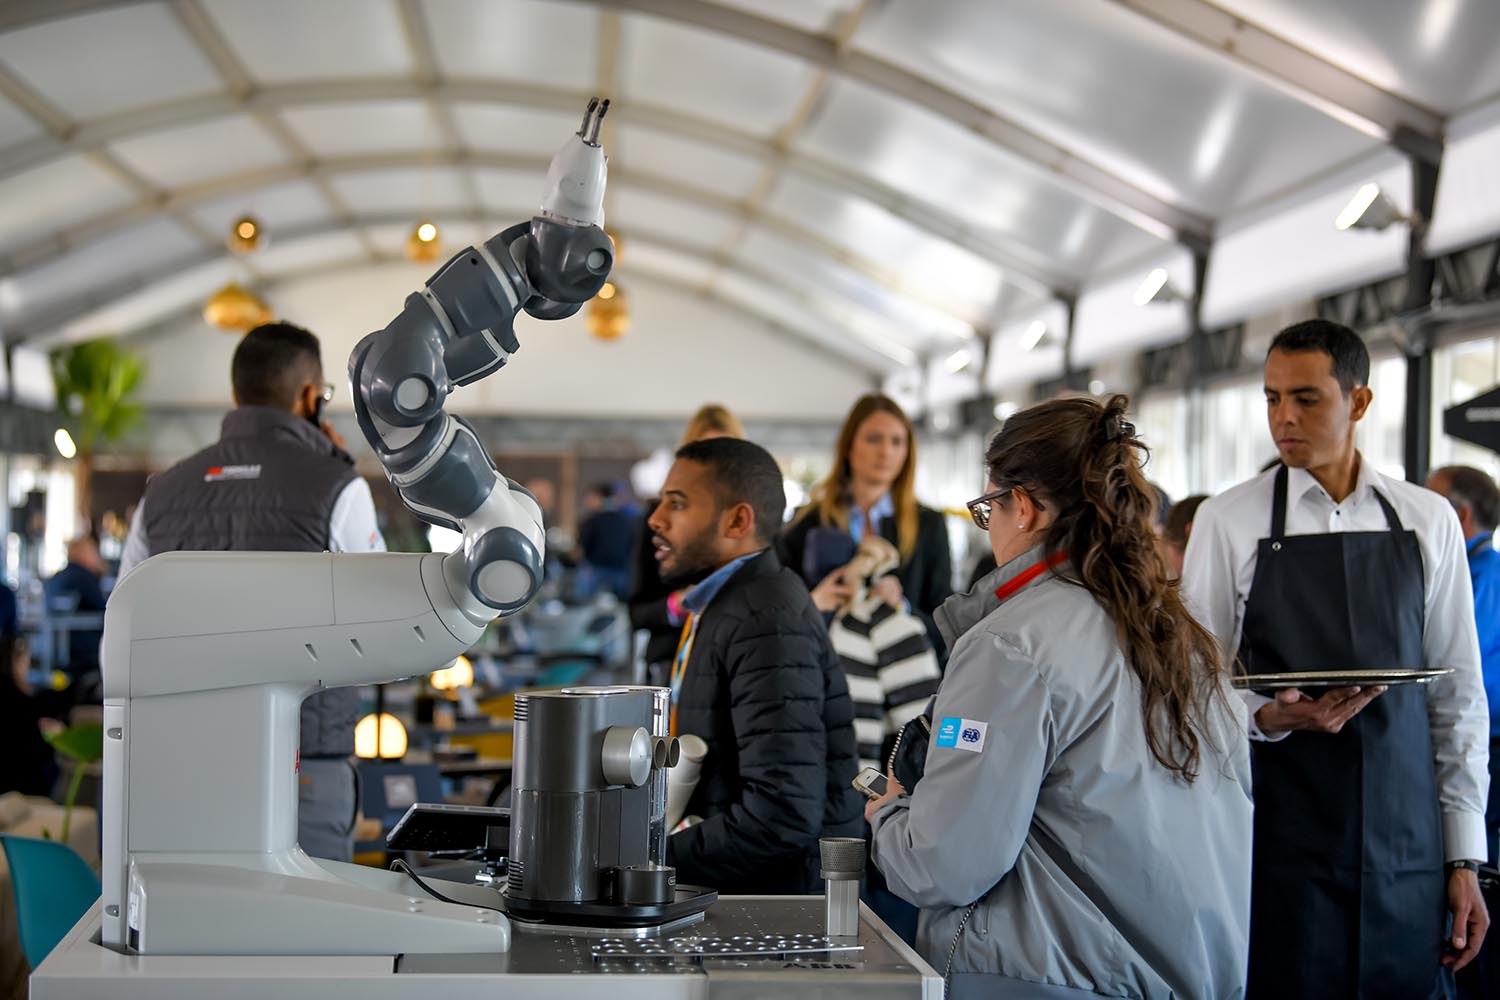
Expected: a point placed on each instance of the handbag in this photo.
(909, 755)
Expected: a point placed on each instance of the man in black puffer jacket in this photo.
(756, 677)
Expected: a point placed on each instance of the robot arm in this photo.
(458, 329)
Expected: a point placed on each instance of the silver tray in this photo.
(1336, 678)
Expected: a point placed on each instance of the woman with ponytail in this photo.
(1083, 821)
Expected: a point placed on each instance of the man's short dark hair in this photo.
(1471, 488)
(743, 472)
(1351, 359)
(1180, 517)
(272, 364)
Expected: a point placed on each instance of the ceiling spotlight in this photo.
(1156, 289)
(1004, 410)
(1096, 387)
(959, 360)
(1369, 209)
(1034, 335)
(64, 442)
(246, 236)
(423, 245)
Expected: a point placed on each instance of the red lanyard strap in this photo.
(1010, 587)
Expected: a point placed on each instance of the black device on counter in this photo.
(439, 827)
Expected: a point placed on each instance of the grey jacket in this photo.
(1094, 869)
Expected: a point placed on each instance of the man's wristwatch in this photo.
(1454, 866)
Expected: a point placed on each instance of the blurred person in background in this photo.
(27, 763)
(1477, 502)
(871, 488)
(654, 605)
(1082, 823)
(10, 619)
(78, 588)
(606, 539)
(1176, 530)
(278, 480)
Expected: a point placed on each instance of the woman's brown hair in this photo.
(1081, 458)
(830, 498)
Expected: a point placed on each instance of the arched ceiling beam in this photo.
(215, 48)
(425, 67)
(806, 107)
(857, 359)
(1023, 267)
(1315, 81)
(46, 327)
(184, 198)
(1093, 181)
(57, 127)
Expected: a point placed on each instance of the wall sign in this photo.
(1476, 421)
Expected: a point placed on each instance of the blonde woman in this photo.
(870, 490)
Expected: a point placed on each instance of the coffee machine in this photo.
(588, 837)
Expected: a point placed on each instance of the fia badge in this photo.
(961, 734)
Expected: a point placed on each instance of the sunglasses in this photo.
(979, 507)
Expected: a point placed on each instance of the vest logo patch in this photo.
(219, 473)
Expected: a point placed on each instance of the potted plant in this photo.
(83, 744)
(97, 382)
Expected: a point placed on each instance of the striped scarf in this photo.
(890, 667)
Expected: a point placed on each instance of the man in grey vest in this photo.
(278, 480)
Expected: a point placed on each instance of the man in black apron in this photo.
(1353, 891)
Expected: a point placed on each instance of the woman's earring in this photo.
(1021, 525)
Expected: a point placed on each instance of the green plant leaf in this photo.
(96, 383)
(83, 742)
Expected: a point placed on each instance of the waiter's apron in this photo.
(1348, 894)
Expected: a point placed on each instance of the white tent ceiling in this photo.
(880, 178)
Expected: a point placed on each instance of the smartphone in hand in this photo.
(871, 783)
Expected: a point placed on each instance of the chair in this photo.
(54, 887)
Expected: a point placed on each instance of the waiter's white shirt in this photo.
(1220, 567)
(352, 527)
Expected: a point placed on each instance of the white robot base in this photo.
(207, 659)
(291, 904)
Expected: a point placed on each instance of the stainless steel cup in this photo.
(843, 865)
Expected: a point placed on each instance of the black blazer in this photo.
(765, 690)
(926, 578)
